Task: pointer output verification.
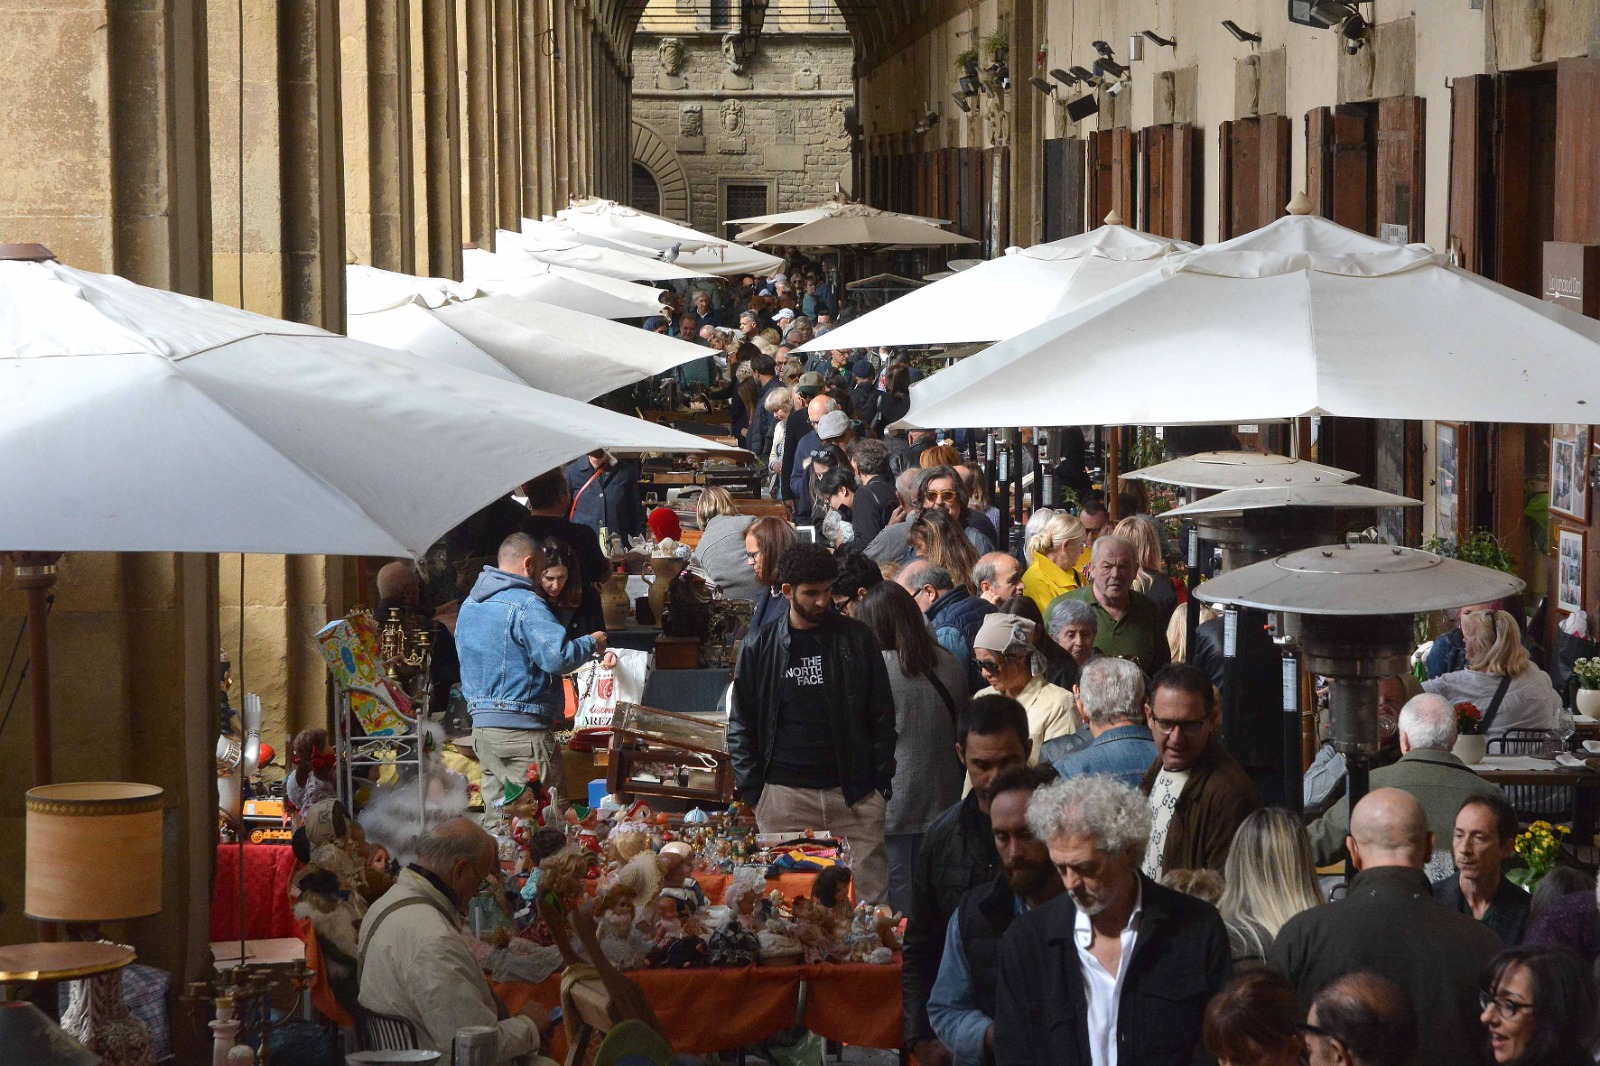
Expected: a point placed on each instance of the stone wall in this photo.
(778, 119)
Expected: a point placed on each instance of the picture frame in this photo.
(1449, 447)
(1569, 569)
(1569, 470)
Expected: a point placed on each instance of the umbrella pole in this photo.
(1113, 449)
(36, 576)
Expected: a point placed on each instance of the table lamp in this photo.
(93, 851)
(29, 1036)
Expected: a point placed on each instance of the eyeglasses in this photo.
(1506, 1008)
(752, 556)
(989, 667)
(1188, 729)
(940, 496)
(822, 455)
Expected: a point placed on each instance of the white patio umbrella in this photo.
(567, 353)
(133, 419)
(630, 230)
(811, 214)
(547, 242)
(1301, 317)
(1000, 298)
(576, 290)
(848, 225)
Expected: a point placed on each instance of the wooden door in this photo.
(1169, 198)
(1063, 188)
(1113, 168)
(1275, 186)
(1402, 132)
(1517, 256)
(1255, 173)
(1471, 171)
(1577, 177)
(1339, 166)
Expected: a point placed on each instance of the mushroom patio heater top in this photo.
(1240, 470)
(1349, 609)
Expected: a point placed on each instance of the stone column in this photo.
(507, 124)
(560, 102)
(310, 163)
(482, 185)
(376, 104)
(442, 127)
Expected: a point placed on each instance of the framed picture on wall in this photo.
(1569, 474)
(1448, 441)
(1569, 570)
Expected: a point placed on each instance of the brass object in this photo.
(69, 960)
(405, 644)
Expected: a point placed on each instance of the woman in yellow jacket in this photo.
(1053, 556)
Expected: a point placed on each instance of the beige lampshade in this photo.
(93, 851)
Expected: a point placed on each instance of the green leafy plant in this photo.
(1539, 846)
(997, 43)
(1587, 673)
(966, 59)
(1480, 546)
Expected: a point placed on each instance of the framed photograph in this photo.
(1569, 570)
(1448, 441)
(1569, 470)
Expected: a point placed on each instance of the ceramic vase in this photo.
(1587, 702)
(1470, 748)
(614, 601)
(665, 569)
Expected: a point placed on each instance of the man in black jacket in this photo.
(957, 854)
(1117, 969)
(875, 496)
(762, 423)
(811, 732)
(605, 494)
(961, 1006)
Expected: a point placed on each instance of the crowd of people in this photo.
(1031, 764)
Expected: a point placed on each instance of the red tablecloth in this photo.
(720, 1008)
(267, 911)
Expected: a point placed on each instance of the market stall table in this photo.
(1512, 771)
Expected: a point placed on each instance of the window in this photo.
(721, 14)
(646, 193)
(742, 200)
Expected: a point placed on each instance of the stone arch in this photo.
(656, 155)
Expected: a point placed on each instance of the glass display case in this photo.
(659, 753)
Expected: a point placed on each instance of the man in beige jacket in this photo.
(413, 961)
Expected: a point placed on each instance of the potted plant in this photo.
(1470, 741)
(1586, 700)
(1539, 846)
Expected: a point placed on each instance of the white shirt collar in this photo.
(1083, 932)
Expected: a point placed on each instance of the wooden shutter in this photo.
(1241, 167)
(1577, 191)
(1113, 168)
(1517, 256)
(1339, 167)
(1063, 188)
(1402, 132)
(1169, 201)
(1274, 188)
(1471, 170)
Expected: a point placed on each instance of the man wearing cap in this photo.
(864, 391)
(784, 319)
(797, 428)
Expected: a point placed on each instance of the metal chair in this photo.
(1534, 802)
(384, 1032)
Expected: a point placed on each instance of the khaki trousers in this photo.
(782, 809)
(505, 755)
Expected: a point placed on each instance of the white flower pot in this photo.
(1470, 748)
(1587, 702)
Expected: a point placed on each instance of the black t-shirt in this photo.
(803, 751)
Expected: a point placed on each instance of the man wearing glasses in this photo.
(1361, 1019)
(1198, 793)
(1389, 923)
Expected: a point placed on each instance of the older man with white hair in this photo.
(1117, 968)
(1130, 623)
(1440, 782)
(1110, 695)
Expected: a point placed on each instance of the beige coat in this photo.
(418, 966)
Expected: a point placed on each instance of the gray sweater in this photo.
(721, 554)
(927, 775)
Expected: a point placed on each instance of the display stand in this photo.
(402, 751)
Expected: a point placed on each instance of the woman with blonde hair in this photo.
(1178, 631)
(1145, 536)
(1269, 877)
(1499, 679)
(1052, 555)
(780, 404)
(934, 536)
(721, 548)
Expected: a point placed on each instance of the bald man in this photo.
(413, 959)
(1388, 923)
(1361, 1019)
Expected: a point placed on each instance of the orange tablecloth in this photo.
(792, 885)
(722, 1008)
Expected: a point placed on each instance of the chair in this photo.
(1534, 802)
(384, 1032)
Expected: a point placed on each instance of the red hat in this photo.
(665, 525)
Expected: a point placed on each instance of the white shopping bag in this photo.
(600, 690)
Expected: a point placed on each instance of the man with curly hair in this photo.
(811, 732)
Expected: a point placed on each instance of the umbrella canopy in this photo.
(1000, 298)
(802, 215)
(1237, 501)
(547, 242)
(133, 419)
(1239, 470)
(852, 224)
(632, 231)
(1301, 317)
(564, 352)
(576, 290)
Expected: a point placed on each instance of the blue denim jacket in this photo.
(1124, 753)
(513, 652)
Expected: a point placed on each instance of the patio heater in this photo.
(1249, 525)
(1345, 612)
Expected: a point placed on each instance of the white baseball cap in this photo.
(783, 316)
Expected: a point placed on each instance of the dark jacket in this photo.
(864, 399)
(611, 499)
(875, 503)
(986, 912)
(1252, 725)
(961, 612)
(762, 422)
(769, 606)
(797, 426)
(957, 855)
(1180, 960)
(1506, 915)
(1215, 799)
(1388, 922)
(862, 707)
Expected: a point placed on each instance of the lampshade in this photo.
(93, 851)
(29, 1036)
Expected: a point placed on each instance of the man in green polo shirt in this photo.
(1131, 626)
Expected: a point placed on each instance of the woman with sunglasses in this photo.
(934, 536)
(1539, 1008)
(1004, 651)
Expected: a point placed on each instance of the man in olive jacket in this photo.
(811, 732)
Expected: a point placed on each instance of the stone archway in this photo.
(654, 154)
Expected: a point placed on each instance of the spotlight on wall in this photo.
(1136, 49)
(1241, 35)
(927, 122)
(1103, 67)
(1328, 13)
(1082, 107)
(970, 84)
(961, 102)
(1115, 87)
(1159, 41)
(1083, 75)
(1354, 33)
(1064, 77)
(1043, 86)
